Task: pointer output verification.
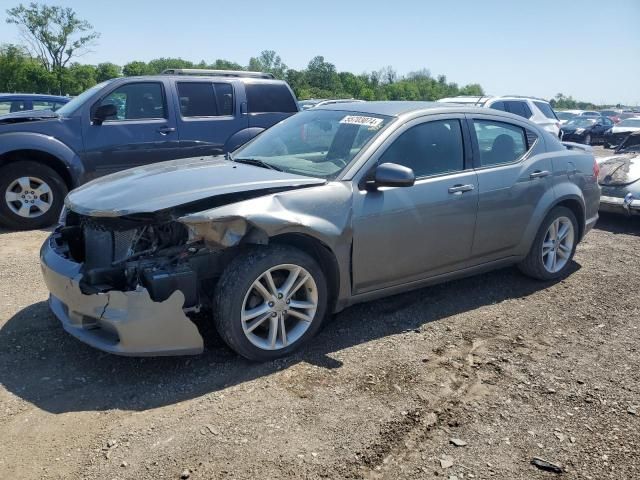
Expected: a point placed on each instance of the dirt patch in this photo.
(512, 368)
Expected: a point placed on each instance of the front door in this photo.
(405, 234)
(143, 130)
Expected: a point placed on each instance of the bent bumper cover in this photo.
(630, 206)
(124, 323)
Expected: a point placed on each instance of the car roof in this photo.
(33, 96)
(393, 108)
(388, 108)
(210, 78)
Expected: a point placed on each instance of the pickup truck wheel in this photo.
(32, 195)
(269, 301)
(553, 247)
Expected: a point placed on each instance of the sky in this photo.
(589, 49)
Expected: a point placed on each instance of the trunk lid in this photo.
(620, 170)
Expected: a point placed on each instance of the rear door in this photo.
(268, 103)
(143, 130)
(512, 178)
(208, 115)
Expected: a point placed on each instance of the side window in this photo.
(11, 106)
(499, 142)
(269, 97)
(43, 105)
(498, 106)
(518, 108)
(57, 105)
(430, 148)
(224, 96)
(137, 101)
(197, 99)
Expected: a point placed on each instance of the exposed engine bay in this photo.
(120, 254)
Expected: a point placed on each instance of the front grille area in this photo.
(103, 246)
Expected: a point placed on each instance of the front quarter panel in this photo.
(322, 212)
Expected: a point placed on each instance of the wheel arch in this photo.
(39, 156)
(322, 254)
(577, 207)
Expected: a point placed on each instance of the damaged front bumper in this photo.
(119, 322)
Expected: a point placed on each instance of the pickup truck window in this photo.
(264, 97)
(205, 99)
(137, 101)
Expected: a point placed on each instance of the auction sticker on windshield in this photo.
(370, 122)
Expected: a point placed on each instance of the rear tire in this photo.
(539, 263)
(253, 305)
(587, 139)
(31, 195)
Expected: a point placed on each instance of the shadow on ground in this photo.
(619, 224)
(42, 364)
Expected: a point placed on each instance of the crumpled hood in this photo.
(27, 116)
(161, 186)
(620, 170)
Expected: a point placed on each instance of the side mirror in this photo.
(392, 175)
(103, 112)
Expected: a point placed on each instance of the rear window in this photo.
(518, 108)
(546, 110)
(264, 97)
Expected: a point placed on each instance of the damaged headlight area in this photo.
(126, 254)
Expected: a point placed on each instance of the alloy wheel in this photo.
(279, 307)
(558, 244)
(29, 197)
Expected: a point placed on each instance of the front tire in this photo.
(587, 139)
(32, 195)
(554, 246)
(270, 301)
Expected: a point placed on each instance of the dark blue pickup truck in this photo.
(124, 123)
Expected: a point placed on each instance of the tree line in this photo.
(21, 72)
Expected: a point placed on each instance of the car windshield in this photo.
(315, 143)
(609, 113)
(630, 122)
(581, 122)
(71, 107)
(565, 115)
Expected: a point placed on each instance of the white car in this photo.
(535, 109)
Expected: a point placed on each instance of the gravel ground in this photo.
(507, 368)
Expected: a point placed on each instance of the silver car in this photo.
(392, 196)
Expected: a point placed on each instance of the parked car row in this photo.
(535, 109)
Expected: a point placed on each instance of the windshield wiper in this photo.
(257, 163)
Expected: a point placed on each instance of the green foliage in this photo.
(560, 102)
(21, 73)
(54, 34)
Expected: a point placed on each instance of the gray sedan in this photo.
(336, 205)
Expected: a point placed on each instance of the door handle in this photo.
(165, 130)
(460, 189)
(539, 174)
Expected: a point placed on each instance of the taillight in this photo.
(596, 168)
